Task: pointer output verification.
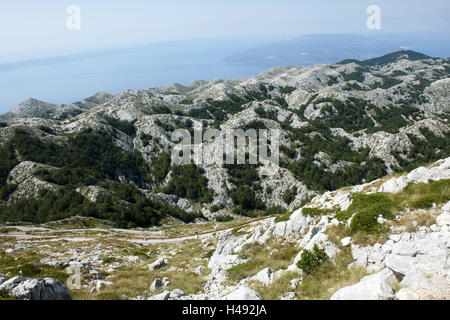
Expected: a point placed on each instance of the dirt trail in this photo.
(30, 237)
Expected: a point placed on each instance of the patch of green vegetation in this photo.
(126, 127)
(237, 232)
(224, 218)
(128, 208)
(188, 181)
(291, 153)
(284, 217)
(269, 114)
(4, 295)
(255, 124)
(289, 195)
(271, 211)
(365, 209)
(393, 118)
(425, 151)
(388, 82)
(217, 207)
(317, 138)
(88, 154)
(161, 166)
(315, 212)
(145, 138)
(8, 161)
(424, 195)
(310, 261)
(245, 178)
(272, 254)
(358, 75)
(287, 89)
(6, 191)
(244, 197)
(351, 115)
(29, 267)
(330, 277)
(46, 129)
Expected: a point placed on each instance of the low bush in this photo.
(224, 218)
(188, 181)
(310, 261)
(315, 212)
(289, 195)
(217, 207)
(366, 209)
(274, 210)
(284, 217)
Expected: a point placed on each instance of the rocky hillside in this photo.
(109, 156)
(384, 240)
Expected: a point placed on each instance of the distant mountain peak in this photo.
(396, 56)
(388, 58)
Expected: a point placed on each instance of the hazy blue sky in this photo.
(38, 27)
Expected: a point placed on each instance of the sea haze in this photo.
(72, 78)
(331, 48)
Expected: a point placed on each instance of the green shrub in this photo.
(4, 295)
(245, 198)
(310, 261)
(161, 166)
(224, 218)
(315, 212)
(366, 221)
(289, 195)
(145, 138)
(433, 192)
(366, 209)
(126, 127)
(46, 129)
(284, 217)
(6, 191)
(287, 89)
(425, 201)
(217, 207)
(188, 181)
(274, 210)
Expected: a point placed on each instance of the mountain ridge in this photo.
(340, 124)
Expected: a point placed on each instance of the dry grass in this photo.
(277, 288)
(274, 254)
(412, 221)
(330, 277)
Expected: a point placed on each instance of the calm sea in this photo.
(72, 78)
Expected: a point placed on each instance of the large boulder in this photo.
(36, 289)
(265, 276)
(374, 287)
(401, 265)
(158, 264)
(242, 293)
(443, 220)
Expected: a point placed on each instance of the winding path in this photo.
(30, 237)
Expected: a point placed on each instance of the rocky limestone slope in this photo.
(340, 124)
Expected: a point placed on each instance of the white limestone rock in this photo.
(158, 264)
(242, 293)
(373, 287)
(265, 276)
(36, 289)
